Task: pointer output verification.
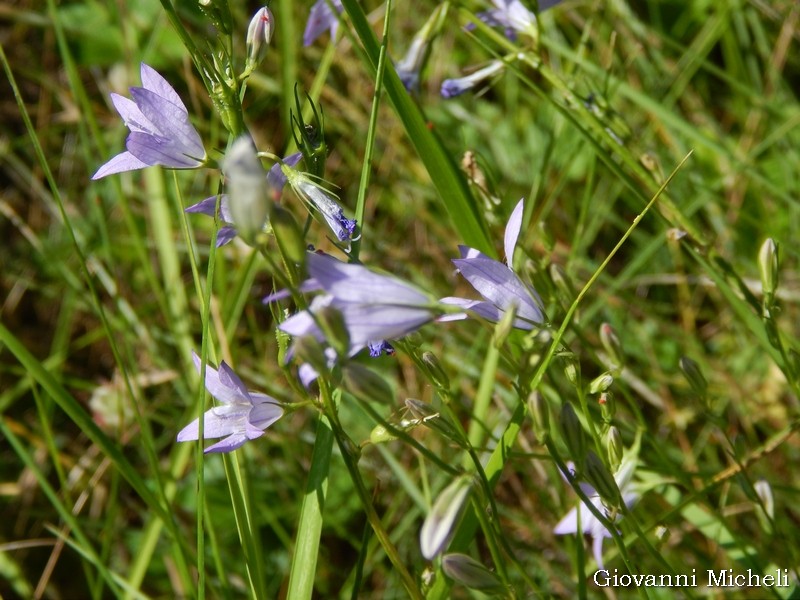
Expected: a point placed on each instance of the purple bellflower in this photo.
(374, 308)
(500, 287)
(161, 133)
(589, 524)
(241, 417)
(322, 18)
(319, 200)
(512, 16)
(275, 182)
(455, 87)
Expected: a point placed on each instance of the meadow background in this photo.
(103, 286)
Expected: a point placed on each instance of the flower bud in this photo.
(563, 284)
(600, 478)
(768, 268)
(573, 372)
(248, 196)
(426, 414)
(540, 414)
(504, 326)
(259, 35)
(614, 448)
(574, 437)
(765, 510)
(608, 406)
(440, 520)
(288, 236)
(380, 434)
(601, 383)
(611, 344)
(332, 323)
(692, 373)
(470, 573)
(366, 384)
(435, 371)
(309, 350)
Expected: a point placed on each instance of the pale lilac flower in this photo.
(589, 524)
(512, 16)
(208, 207)
(319, 200)
(374, 306)
(500, 287)
(454, 87)
(321, 18)
(408, 69)
(241, 416)
(161, 133)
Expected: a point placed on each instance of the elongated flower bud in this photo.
(693, 374)
(248, 196)
(435, 370)
(259, 35)
(765, 510)
(768, 268)
(288, 236)
(439, 523)
(600, 478)
(614, 448)
(469, 572)
(331, 321)
(540, 414)
(366, 384)
(574, 437)
(611, 344)
(601, 383)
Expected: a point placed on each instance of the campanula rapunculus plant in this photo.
(512, 16)
(241, 416)
(499, 285)
(161, 133)
(410, 66)
(322, 18)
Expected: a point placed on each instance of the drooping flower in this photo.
(409, 68)
(512, 16)
(161, 133)
(241, 416)
(321, 18)
(319, 200)
(374, 306)
(499, 285)
(455, 87)
(275, 182)
(590, 525)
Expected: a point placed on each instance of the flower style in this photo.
(242, 416)
(161, 133)
(321, 18)
(589, 524)
(455, 87)
(317, 198)
(497, 283)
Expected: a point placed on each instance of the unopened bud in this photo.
(248, 196)
(574, 437)
(573, 371)
(440, 520)
(380, 434)
(332, 323)
(311, 351)
(610, 342)
(366, 384)
(600, 478)
(768, 268)
(259, 35)
(764, 491)
(288, 236)
(563, 284)
(435, 371)
(691, 371)
(470, 573)
(540, 414)
(614, 448)
(505, 326)
(427, 415)
(608, 406)
(601, 383)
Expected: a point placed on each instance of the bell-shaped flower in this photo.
(322, 18)
(161, 133)
(499, 285)
(455, 87)
(374, 307)
(589, 524)
(241, 416)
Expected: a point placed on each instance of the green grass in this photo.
(108, 286)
